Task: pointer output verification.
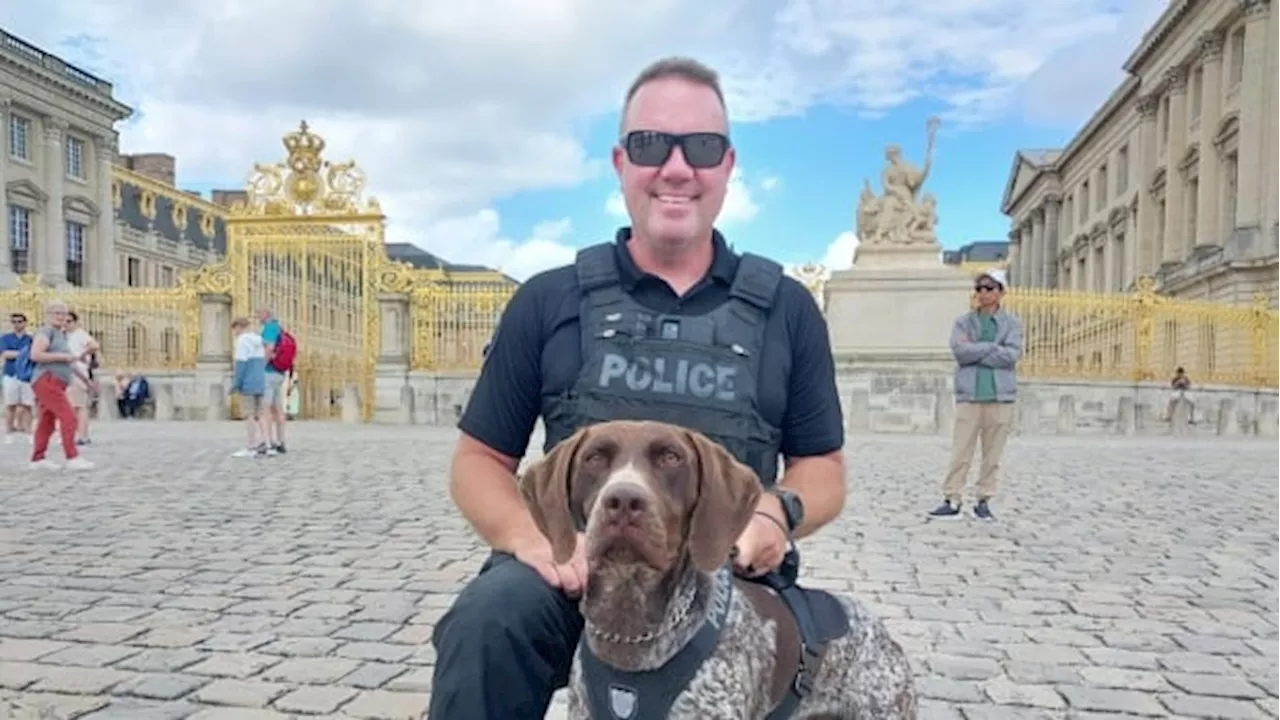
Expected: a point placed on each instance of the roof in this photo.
(426, 260)
(164, 221)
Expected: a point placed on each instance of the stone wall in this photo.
(889, 400)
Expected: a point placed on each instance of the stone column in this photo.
(1253, 86)
(1175, 211)
(1146, 244)
(1208, 230)
(1037, 242)
(1028, 253)
(1050, 240)
(1015, 257)
(104, 249)
(52, 256)
(5, 240)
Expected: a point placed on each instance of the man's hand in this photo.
(764, 542)
(570, 577)
(963, 339)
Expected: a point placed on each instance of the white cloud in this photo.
(739, 206)
(839, 254)
(452, 106)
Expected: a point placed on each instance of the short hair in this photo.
(74, 317)
(239, 323)
(18, 316)
(55, 306)
(675, 66)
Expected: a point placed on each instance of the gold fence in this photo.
(1145, 336)
(137, 328)
(454, 321)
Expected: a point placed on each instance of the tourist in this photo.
(55, 368)
(273, 398)
(132, 392)
(81, 392)
(508, 640)
(249, 382)
(18, 398)
(986, 342)
(1181, 384)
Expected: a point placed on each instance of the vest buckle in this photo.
(809, 660)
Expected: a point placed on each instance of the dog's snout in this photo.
(625, 503)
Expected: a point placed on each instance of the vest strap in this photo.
(597, 268)
(756, 281)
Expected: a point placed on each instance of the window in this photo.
(1197, 92)
(1230, 191)
(1084, 203)
(133, 272)
(1235, 71)
(19, 239)
(166, 276)
(1193, 212)
(1102, 187)
(19, 137)
(75, 157)
(75, 253)
(1122, 170)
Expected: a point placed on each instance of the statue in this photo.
(900, 216)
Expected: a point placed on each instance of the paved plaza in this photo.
(1124, 577)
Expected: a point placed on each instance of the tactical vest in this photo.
(614, 694)
(700, 372)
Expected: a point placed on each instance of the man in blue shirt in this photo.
(273, 397)
(18, 397)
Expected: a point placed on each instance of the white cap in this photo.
(996, 274)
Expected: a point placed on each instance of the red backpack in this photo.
(286, 350)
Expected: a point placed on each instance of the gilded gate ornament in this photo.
(305, 183)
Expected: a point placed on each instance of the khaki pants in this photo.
(989, 422)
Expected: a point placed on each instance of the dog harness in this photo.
(614, 694)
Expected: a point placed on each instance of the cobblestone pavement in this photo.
(1123, 577)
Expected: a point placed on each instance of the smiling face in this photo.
(673, 206)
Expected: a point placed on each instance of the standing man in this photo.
(18, 398)
(273, 394)
(986, 342)
(55, 368)
(508, 641)
(81, 392)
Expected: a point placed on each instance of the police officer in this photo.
(667, 323)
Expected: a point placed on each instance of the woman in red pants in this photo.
(54, 369)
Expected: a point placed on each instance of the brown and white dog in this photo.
(662, 508)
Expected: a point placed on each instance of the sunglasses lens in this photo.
(649, 148)
(705, 150)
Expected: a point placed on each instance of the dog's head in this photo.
(645, 492)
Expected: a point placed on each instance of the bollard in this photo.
(217, 409)
(1126, 417)
(1180, 417)
(350, 405)
(1227, 423)
(1067, 415)
(108, 410)
(404, 415)
(859, 416)
(164, 401)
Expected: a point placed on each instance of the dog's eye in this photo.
(595, 457)
(668, 458)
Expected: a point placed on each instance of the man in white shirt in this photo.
(81, 395)
(249, 380)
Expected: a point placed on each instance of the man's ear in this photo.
(545, 487)
(728, 493)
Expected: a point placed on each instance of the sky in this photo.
(484, 128)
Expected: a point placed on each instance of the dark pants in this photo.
(504, 647)
(128, 406)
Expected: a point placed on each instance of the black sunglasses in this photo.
(651, 148)
(985, 288)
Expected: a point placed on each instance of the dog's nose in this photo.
(624, 504)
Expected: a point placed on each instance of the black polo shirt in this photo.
(537, 353)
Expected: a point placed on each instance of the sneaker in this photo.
(982, 510)
(245, 452)
(83, 441)
(79, 463)
(264, 450)
(45, 464)
(277, 449)
(946, 509)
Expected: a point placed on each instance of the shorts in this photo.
(17, 392)
(77, 394)
(248, 379)
(275, 389)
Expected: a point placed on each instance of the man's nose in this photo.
(676, 165)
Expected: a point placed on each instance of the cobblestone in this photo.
(1124, 577)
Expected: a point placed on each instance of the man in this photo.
(986, 342)
(80, 393)
(55, 367)
(18, 399)
(1180, 383)
(273, 395)
(508, 641)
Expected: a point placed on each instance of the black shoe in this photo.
(946, 509)
(981, 510)
(279, 448)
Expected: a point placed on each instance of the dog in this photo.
(661, 508)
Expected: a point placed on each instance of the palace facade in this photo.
(1174, 177)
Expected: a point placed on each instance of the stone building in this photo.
(985, 253)
(1174, 177)
(56, 167)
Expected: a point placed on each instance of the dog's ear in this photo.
(545, 489)
(727, 495)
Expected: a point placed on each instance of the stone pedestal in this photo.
(896, 306)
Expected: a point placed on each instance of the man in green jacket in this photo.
(986, 342)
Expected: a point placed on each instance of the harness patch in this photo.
(622, 702)
(666, 376)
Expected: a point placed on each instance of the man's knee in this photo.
(509, 605)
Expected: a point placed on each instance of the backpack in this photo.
(286, 350)
(23, 367)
